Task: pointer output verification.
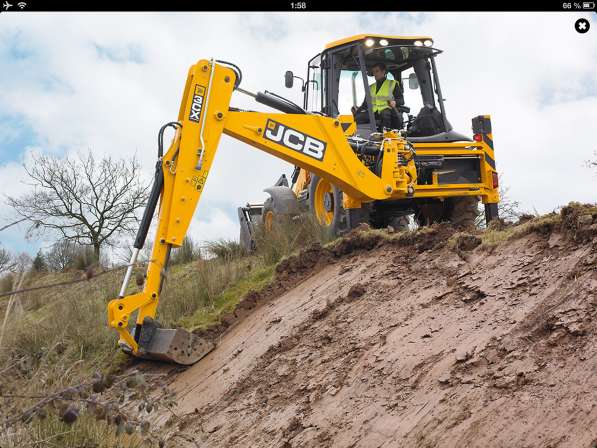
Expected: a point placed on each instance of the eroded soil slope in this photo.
(411, 343)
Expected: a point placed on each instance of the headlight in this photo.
(383, 43)
(369, 42)
(428, 43)
(418, 43)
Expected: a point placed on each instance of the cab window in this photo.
(315, 84)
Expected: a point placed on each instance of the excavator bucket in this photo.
(171, 345)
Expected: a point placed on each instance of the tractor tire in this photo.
(281, 205)
(463, 212)
(429, 214)
(325, 203)
(399, 223)
(267, 214)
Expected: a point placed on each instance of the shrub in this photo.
(225, 249)
(83, 257)
(289, 235)
(6, 282)
(39, 263)
(61, 256)
(185, 253)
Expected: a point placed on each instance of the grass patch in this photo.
(495, 235)
(87, 432)
(288, 236)
(226, 301)
(195, 287)
(452, 242)
(225, 249)
(569, 220)
(59, 331)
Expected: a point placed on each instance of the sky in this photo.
(106, 82)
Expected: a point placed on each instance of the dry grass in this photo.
(566, 221)
(195, 286)
(495, 235)
(87, 433)
(49, 346)
(227, 299)
(288, 236)
(225, 249)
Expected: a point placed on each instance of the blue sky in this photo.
(106, 82)
(16, 134)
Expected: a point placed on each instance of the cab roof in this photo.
(358, 37)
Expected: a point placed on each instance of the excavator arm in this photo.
(314, 142)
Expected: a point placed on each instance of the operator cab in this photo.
(338, 81)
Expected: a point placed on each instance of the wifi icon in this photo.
(21, 5)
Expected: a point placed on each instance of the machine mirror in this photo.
(413, 82)
(288, 79)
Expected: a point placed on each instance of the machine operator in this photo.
(386, 94)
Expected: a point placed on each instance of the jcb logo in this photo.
(197, 103)
(293, 139)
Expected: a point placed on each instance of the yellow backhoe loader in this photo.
(349, 172)
(336, 79)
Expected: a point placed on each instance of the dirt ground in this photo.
(408, 344)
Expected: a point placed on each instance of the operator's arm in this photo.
(361, 108)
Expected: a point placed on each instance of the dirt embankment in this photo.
(417, 341)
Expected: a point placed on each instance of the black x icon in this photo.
(582, 25)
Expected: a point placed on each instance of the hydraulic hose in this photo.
(156, 189)
(172, 124)
(239, 73)
(152, 202)
(154, 196)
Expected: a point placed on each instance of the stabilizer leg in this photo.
(491, 212)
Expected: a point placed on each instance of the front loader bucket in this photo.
(178, 346)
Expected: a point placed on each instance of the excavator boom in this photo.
(314, 142)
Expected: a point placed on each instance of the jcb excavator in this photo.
(361, 171)
(342, 71)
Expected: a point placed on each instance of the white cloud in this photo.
(538, 82)
(216, 224)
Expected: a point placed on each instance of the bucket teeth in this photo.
(171, 345)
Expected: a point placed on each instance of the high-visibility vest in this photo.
(383, 95)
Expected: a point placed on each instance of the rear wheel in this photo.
(464, 211)
(279, 207)
(461, 212)
(325, 202)
(399, 223)
(267, 214)
(428, 214)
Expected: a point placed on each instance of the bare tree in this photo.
(21, 262)
(61, 256)
(6, 261)
(508, 208)
(85, 202)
